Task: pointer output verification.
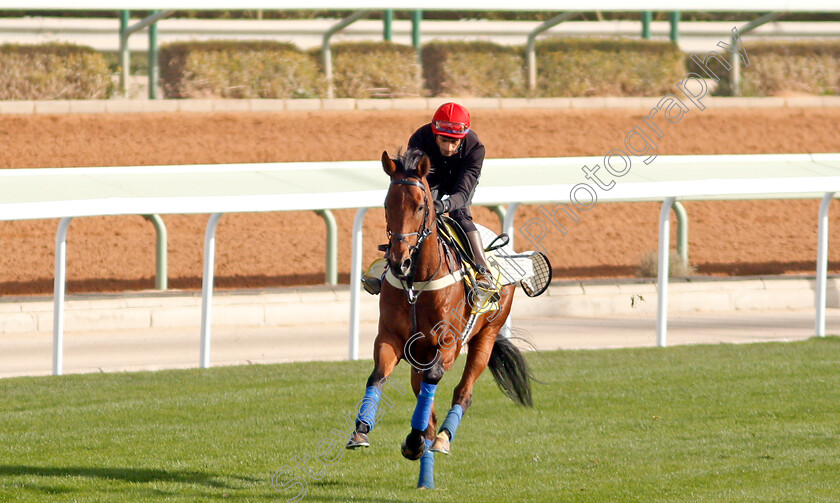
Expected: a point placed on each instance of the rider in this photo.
(456, 156)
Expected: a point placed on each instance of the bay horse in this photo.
(422, 320)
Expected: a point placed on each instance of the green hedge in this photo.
(782, 67)
(607, 67)
(53, 71)
(375, 70)
(565, 67)
(481, 69)
(232, 69)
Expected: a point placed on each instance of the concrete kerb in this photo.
(335, 104)
(57, 107)
(516, 104)
(231, 106)
(255, 105)
(409, 104)
(302, 105)
(112, 106)
(17, 107)
(326, 304)
(84, 107)
(374, 104)
(586, 103)
(196, 105)
(165, 106)
(123, 106)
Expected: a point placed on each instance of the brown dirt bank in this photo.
(255, 250)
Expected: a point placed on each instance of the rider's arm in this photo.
(422, 139)
(467, 178)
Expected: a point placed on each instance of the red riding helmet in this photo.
(452, 120)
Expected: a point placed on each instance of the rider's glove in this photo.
(441, 207)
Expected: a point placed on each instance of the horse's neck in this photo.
(429, 265)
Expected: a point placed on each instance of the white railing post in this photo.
(207, 288)
(58, 295)
(664, 248)
(356, 281)
(822, 262)
(507, 228)
(507, 224)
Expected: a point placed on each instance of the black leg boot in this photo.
(483, 281)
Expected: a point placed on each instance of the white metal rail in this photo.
(694, 178)
(68, 193)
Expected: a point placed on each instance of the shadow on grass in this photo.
(145, 475)
(125, 474)
(366, 499)
(408, 493)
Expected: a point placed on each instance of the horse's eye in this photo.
(421, 208)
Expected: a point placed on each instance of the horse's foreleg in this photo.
(386, 357)
(417, 443)
(422, 422)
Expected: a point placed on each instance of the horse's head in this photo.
(409, 212)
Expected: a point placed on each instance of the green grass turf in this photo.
(716, 423)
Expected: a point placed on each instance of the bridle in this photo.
(422, 233)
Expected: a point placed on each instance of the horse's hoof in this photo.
(357, 440)
(441, 444)
(413, 453)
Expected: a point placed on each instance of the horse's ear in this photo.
(388, 165)
(423, 166)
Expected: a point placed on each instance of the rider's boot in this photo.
(482, 276)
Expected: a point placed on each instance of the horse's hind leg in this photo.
(386, 355)
(481, 351)
(481, 348)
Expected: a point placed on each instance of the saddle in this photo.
(531, 270)
(456, 237)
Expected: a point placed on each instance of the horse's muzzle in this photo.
(401, 270)
(405, 267)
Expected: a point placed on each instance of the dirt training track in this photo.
(282, 249)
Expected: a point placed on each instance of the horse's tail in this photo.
(511, 371)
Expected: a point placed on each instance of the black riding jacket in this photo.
(456, 175)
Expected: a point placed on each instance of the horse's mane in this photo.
(407, 161)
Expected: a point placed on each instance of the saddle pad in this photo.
(531, 269)
(510, 267)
